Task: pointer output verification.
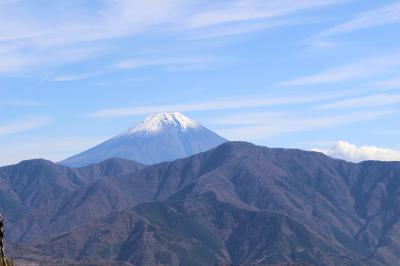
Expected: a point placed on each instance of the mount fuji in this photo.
(160, 137)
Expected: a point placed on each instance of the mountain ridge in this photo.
(37, 182)
(349, 206)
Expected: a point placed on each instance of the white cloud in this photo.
(232, 29)
(381, 16)
(221, 104)
(356, 71)
(116, 18)
(23, 125)
(139, 62)
(246, 10)
(74, 77)
(30, 38)
(393, 83)
(256, 126)
(13, 62)
(229, 30)
(19, 103)
(366, 101)
(17, 60)
(346, 151)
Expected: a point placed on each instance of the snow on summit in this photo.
(159, 138)
(157, 122)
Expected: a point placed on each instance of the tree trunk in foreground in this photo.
(2, 255)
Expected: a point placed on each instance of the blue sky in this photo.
(280, 73)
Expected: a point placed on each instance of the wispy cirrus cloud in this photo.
(256, 126)
(231, 30)
(115, 18)
(393, 83)
(387, 14)
(23, 125)
(234, 29)
(31, 39)
(350, 152)
(241, 11)
(172, 64)
(365, 101)
(12, 61)
(167, 62)
(39, 38)
(74, 77)
(19, 103)
(18, 60)
(221, 104)
(363, 69)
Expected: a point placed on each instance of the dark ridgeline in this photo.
(35, 183)
(235, 204)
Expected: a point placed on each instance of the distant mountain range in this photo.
(160, 137)
(236, 204)
(34, 183)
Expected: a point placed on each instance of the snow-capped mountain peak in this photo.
(157, 122)
(159, 138)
